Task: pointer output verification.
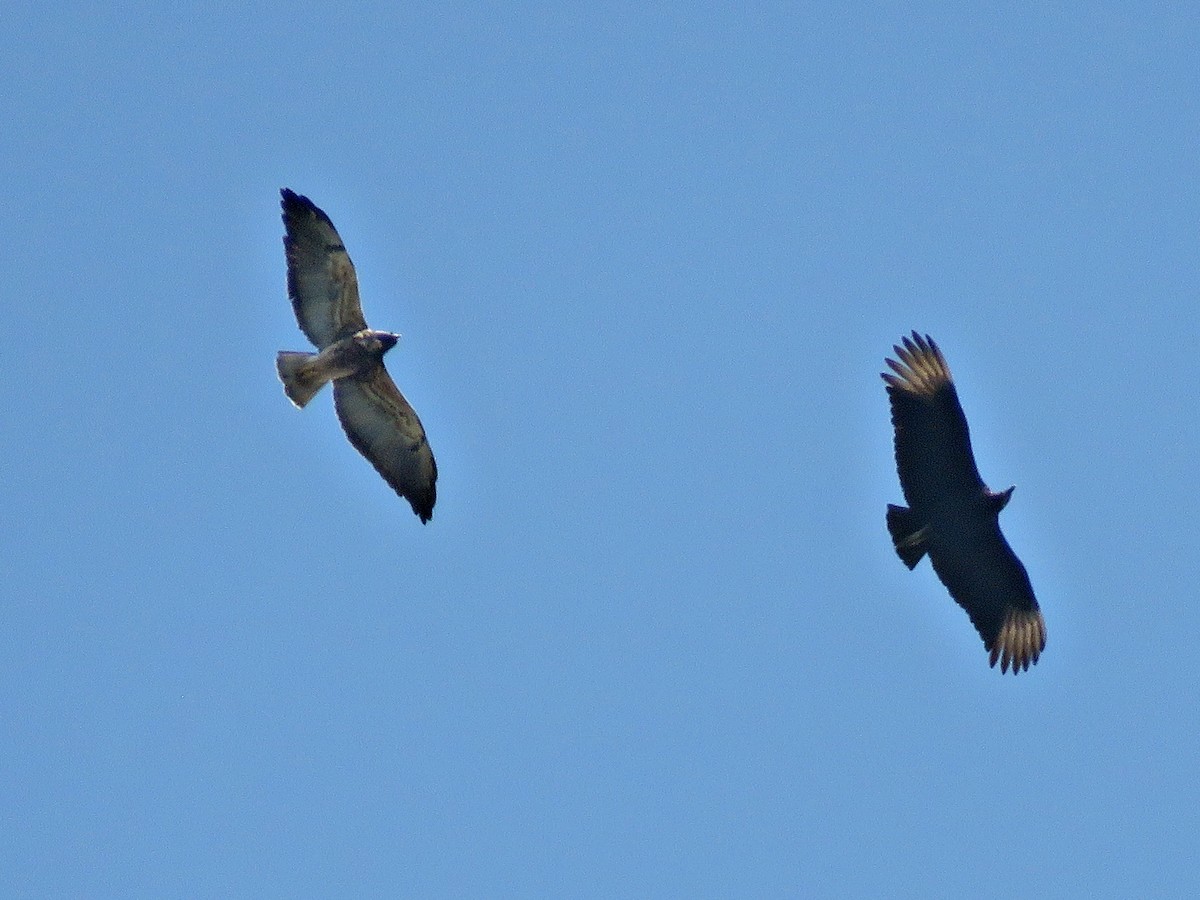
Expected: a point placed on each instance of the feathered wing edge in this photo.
(922, 368)
(932, 438)
(1021, 640)
(989, 582)
(385, 429)
(321, 280)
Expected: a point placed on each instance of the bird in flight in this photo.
(377, 419)
(952, 515)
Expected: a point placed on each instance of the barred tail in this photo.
(909, 534)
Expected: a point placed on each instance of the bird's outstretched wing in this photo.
(986, 579)
(933, 442)
(385, 429)
(320, 275)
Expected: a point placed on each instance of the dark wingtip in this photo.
(422, 502)
(294, 204)
(424, 513)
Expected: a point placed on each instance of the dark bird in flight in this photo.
(374, 414)
(951, 514)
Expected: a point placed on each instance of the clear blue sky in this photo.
(647, 261)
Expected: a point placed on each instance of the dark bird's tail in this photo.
(909, 534)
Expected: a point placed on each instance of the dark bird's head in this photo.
(997, 500)
(375, 343)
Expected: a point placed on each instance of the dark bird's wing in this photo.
(933, 443)
(986, 579)
(385, 429)
(320, 277)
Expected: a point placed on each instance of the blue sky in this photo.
(647, 261)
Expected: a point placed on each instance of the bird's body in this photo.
(377, 419)
(304, 374)
(952, 516)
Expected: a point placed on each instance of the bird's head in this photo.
(997, 500)
(376, 342)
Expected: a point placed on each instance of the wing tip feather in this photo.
(1021, 640)
(920, 365)
(294, 205)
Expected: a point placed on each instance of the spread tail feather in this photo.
(300, 382)
(909, 534)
